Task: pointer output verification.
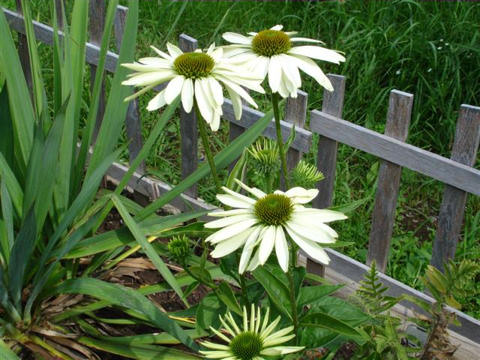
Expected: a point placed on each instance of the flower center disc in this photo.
(246, 346)
(194, 65)
(273, 209)
(271, 42)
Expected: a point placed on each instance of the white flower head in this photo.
(262, 223)
(195, 76)
(272, 52)
(256, 341)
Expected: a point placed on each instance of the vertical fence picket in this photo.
(296, 113)
(383, 217)
(59, 7)
(24, 55)
(464, 151)
(96, 14)
(327, 148)
(188, 127)
(133, 122)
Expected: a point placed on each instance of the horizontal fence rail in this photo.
(457, 173)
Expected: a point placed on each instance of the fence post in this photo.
(24, 55)
(96, 25)
(327, 148)
(383, 217)
(296, 113)
(464, 151)
(188, 127)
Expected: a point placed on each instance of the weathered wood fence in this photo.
(457, 173)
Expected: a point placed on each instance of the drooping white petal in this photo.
(317, 52)
(311, 68)
(230, 245)
(236, 102)
(281, 249)
(300, 195)
(255, 262)
(174, 88)
(187, 95)
(238, 195)
(277, 27)
(215, 124)
(202, 102)
(315, 234)
(324, 215)
(216, 90)
(173, 50)
(155, 61)
(302, 39)
(161, 53)
(237, 89)
(303, 219)
(157, 102)
(234, 201)
(313, 250)
(230, 231)
(227, 221)
(248, 249)
(224, 213)
(236, 38)
(266, 244)
(290, 69)
(142, 67)
(254, 191)
(148, 78)
(274, 74)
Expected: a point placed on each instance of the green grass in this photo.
(431, 49)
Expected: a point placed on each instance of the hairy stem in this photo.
(281, 147)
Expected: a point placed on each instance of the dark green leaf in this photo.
(208, 312)
(331, 323)
(276, 290)
(309, 295)
(227, 296)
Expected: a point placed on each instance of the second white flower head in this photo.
(260, 224)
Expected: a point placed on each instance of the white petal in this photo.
(216, 90)
(187, 95)
(277, 27)
(234, 201)
(248, 248)
(215, 124)
(324, 215)
(161, 53)
(317, 52)
(238, 89)
(281, 350)
(311, 221)
(230, 212)
(174, 88)
(236, 102)
(230, 245)
(255, 262)
(227, 221)
(215, 346)
(254, 191)
(148, 78)
(142, 67)
(173, 50)
(313, 250)
(230, 231)
(239, 196)
(157, 102)
(155, 61)
(300, 195)
(311, 233)
(311, 68)
(281, 249)
(203, 105)
(266, 244)
(302, 39)
(274, 74)
(236, 38)
(290, 69)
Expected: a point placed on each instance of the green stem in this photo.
(293, 296)
(281, 147)
(208, 152)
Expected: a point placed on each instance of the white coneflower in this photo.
(271, 52)
(254, 342)
(195, 76)
(261, 224)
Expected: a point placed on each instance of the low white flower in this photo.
(271, 52)
(195, 76)
(262, 223)
(255, 342)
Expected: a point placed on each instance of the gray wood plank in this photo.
(383, 216)
(327, 147)
(452, 210)
(133, 122)
(188, 127)
(303, 138)
(424, 162)
(96, 13)
(296, 113)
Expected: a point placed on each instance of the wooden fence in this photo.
(457, 173)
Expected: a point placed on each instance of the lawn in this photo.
(430, 49)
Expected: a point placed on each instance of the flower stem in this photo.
(281, 147)
(208, 152)
(293, 295)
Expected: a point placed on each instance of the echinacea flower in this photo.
(195, 76)
(272, 52)
(254, 342)
(261, 223)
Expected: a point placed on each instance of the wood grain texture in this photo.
(133, 122)
(452, 210)
(424, 162)
(96, 14)
(188, 127)
(388, 183)
(296, 113)
(327, 147)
